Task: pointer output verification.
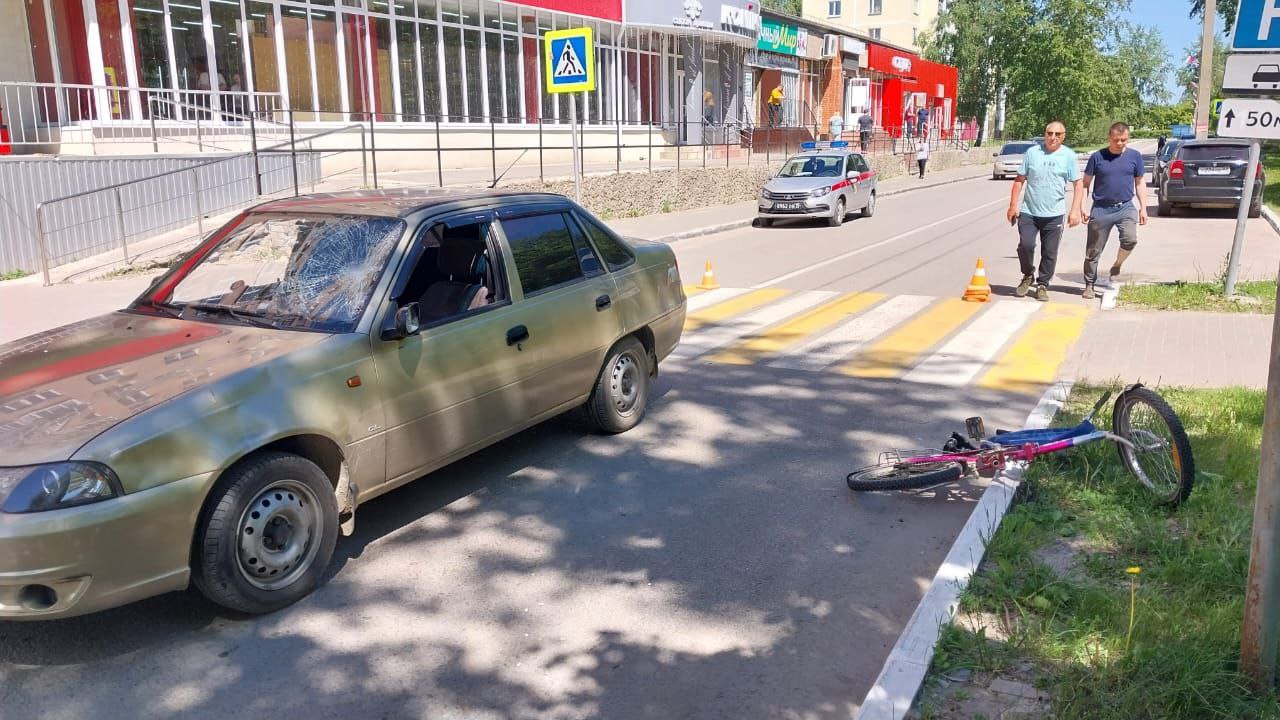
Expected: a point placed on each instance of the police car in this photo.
(825, 180)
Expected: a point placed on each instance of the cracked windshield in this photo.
(310, 272)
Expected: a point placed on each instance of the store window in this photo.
(297, 61)
(452, 63)
(265, 77)
(329, 86)
(475, 76)
(228, 51)
(429, 36)
(407, 62)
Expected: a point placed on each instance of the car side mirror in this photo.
(404, 323)
(851, 174)
(995, 154)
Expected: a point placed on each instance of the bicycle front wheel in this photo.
(1161, 454)
(903, 476)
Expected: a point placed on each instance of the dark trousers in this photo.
(1101, 219)
(921, 164)
(864, 137)
(1049, 230)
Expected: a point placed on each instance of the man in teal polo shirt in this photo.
(1045, 173)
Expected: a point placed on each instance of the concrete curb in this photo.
(894, 691)
(735, 224)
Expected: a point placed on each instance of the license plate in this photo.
(787, 206)
(1213, 171)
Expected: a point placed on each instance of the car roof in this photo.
(400, 202)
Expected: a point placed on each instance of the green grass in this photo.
(1183, 659)
(1271, 164)
(13, 274)
(1201, 296)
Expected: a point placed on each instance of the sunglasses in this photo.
(1050, 133)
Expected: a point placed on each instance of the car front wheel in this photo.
(266, 534)
(837, 217)
(621, 394)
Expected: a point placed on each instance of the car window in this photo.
(861, 164)
(1200, 153)
(544, 251)
(455, 272)
(587, 258)
(299, 271)
(1015, 149)
(812, 166)
(616, 255)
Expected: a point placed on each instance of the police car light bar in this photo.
(811, 145)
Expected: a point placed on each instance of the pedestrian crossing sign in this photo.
(569, 60)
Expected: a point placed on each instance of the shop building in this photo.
(903, 83)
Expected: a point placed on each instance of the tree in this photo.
(1141, 55)
(790, 7)
(1189, 73)
(1226, 10)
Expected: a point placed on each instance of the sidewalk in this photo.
(704, 221)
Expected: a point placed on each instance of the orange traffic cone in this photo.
(979, 290)
(708, 279)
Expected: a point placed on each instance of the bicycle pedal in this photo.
(975, 428)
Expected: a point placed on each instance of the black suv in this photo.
(1208, 173)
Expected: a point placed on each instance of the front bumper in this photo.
(70, 562)
(809, 207)
(1005, 169)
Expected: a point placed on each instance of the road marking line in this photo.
(776, 340)
(730, 331)
(964, 356)
(1034, 358)
(691, 290)
(851, 335)
(706, 300)
(901, 348)
(873, 246)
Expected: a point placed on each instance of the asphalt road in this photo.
(710, 563)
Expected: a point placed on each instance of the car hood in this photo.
(61, 388)
(1010, 158)
(799, 184)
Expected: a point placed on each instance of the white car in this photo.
(1009, 159)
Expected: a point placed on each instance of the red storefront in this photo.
(905, 82)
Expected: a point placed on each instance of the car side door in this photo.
(862, 180)
(455, 384)
(571, 306)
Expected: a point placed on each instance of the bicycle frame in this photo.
(996, 458)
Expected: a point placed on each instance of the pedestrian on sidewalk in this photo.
(1044, 173)
(922, 120)
(922, 153)
(1117, 174)
(865, 123)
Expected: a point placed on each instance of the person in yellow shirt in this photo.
(708, 107)
(775, 105)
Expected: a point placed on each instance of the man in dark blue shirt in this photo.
(1116, 173)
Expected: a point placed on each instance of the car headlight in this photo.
(819, 192)
(36, 488)
(766, 194)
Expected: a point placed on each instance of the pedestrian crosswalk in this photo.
(1006, 344)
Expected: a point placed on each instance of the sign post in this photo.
(570, 63)
(1257, 30)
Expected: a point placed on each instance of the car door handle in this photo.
(517, 334)
(603, 302)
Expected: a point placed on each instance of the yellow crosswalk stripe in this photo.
(729, 308)
(1034, 358)
(691, 290)
(793, 331)
(898, 350)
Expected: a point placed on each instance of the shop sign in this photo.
(778, 38)
(901, 64)
(852, 46)
(744, 21)
(757, 58)
(735, 17)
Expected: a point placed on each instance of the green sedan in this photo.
(308, 356)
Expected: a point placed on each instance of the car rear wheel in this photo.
(837, 218)
(266, 534)
(1163, 208)
(1255, 211)
(621, 394)
(870, 208)
(997, 176)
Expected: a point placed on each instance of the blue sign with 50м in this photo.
(1257, 25)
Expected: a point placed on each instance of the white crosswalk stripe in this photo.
(971, 350)
(849, 337)
(717, 336)
(705, 300)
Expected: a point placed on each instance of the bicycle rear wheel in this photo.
(903, 476)
(1161, 457)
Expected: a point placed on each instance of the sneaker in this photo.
(1024, 287)
(1088, 293)
(1042, 293)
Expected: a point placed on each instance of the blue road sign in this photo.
(1257, 26)
(570, 65)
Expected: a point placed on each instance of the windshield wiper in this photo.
(242, 316)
